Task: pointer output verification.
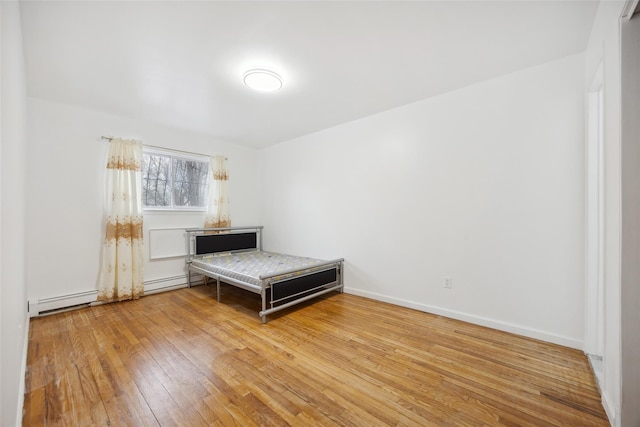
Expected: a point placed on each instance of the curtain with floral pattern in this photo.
(122, 263)
(218, 209)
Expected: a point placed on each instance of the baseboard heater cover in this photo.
(62, 303)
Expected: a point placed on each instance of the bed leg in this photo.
(263, 294)
(218, 289)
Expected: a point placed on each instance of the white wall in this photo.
(13, 291)
(630, 250)
(604, 47)
(65, 183)
(484, 184)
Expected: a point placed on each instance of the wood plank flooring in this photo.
(182, 359)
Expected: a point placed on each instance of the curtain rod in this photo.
(109, 138)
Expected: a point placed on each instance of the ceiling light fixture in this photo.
(262, 80)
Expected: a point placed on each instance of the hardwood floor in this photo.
(182, 359)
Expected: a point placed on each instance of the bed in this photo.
(234, 256)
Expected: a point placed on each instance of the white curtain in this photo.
(121, 269)
(218, 209)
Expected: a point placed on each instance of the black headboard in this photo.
(213, 243)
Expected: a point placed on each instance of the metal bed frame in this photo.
(278, 290)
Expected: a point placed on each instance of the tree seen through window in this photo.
(170, 181)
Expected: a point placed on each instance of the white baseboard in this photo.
(611, 411)
(176, 282)
(23, 372)
(477, 320)
(164, 284)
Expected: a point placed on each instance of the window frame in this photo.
(180, 156)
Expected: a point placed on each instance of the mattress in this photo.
(249, 266)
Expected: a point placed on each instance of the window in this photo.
(174, 181)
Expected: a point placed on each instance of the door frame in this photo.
(594, 313)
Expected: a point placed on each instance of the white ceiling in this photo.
(180, 63)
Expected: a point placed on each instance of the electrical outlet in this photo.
(447, 282)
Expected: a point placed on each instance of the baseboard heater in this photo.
(74, 301)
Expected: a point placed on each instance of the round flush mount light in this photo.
(262, 80)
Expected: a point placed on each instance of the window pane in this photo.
(190, 183)
(156, 187)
